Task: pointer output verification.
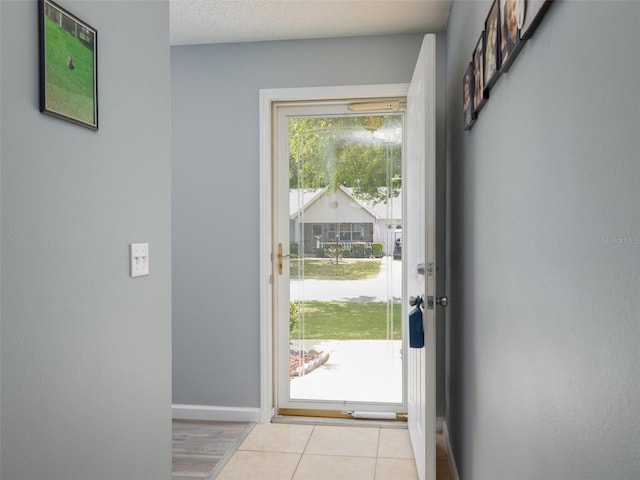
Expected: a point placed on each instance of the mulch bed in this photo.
(303, 361)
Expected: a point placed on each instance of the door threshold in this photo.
(337, 421)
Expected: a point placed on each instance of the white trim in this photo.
(439, 424)
(211, 413)
(452, 461)
(331, 93)
(266, 333)
(267, 97)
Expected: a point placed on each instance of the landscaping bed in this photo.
(302, 362)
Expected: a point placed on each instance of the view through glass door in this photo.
(338, 265)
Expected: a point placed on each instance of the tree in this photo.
(333, 151)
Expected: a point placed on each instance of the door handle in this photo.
(280, 258)
(442, 301)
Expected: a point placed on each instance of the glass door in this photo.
(338, 268)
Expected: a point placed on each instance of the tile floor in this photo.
(309, 452)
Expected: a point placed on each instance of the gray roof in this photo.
(381, 210)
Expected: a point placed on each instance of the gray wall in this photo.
(0, 247)
(215, 202)
(86, 350)
(543, 338)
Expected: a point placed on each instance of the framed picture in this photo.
(467, 98)
(511, 22)
(480, 95)
(68, 66)
(491, 47)
(534, 11)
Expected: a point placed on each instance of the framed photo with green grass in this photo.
(68, 66)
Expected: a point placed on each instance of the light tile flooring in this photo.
(309, 452)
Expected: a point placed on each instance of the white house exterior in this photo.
(317, 216)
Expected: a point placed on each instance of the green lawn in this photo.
(326, 269)
(68, 91)
(347, 321)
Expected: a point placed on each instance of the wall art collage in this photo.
(509, 24)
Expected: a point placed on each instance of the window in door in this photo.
(340, 335)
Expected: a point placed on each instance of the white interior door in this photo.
(420, 251)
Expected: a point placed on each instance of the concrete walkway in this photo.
(356, 371)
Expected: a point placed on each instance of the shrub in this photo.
(368, 251)
(320, 253)
(336, 252)
(377, 248)
(358, 249)
(294, 314)
(346, 252)
(293, 248)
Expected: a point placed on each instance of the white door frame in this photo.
(267, 98)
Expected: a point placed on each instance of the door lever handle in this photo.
(280, 258)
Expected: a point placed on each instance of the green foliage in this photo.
(323, 153)
(368, 251)
(320, 253)
(358, 249)
(69, 91)
(293, 248)
(351, 320)
(335, 252)
(294, 315)
(377, 248)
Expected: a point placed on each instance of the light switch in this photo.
(139, 259)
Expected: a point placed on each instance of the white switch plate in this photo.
(139, 259)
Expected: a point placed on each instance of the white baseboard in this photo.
(452, 460)
(218, 414)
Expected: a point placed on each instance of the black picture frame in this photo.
(512, 14)
(68, 57)
(480, 95)
(467, 98)
(492, 46)
(535, 10)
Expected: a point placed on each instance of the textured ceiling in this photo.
(225, 21)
